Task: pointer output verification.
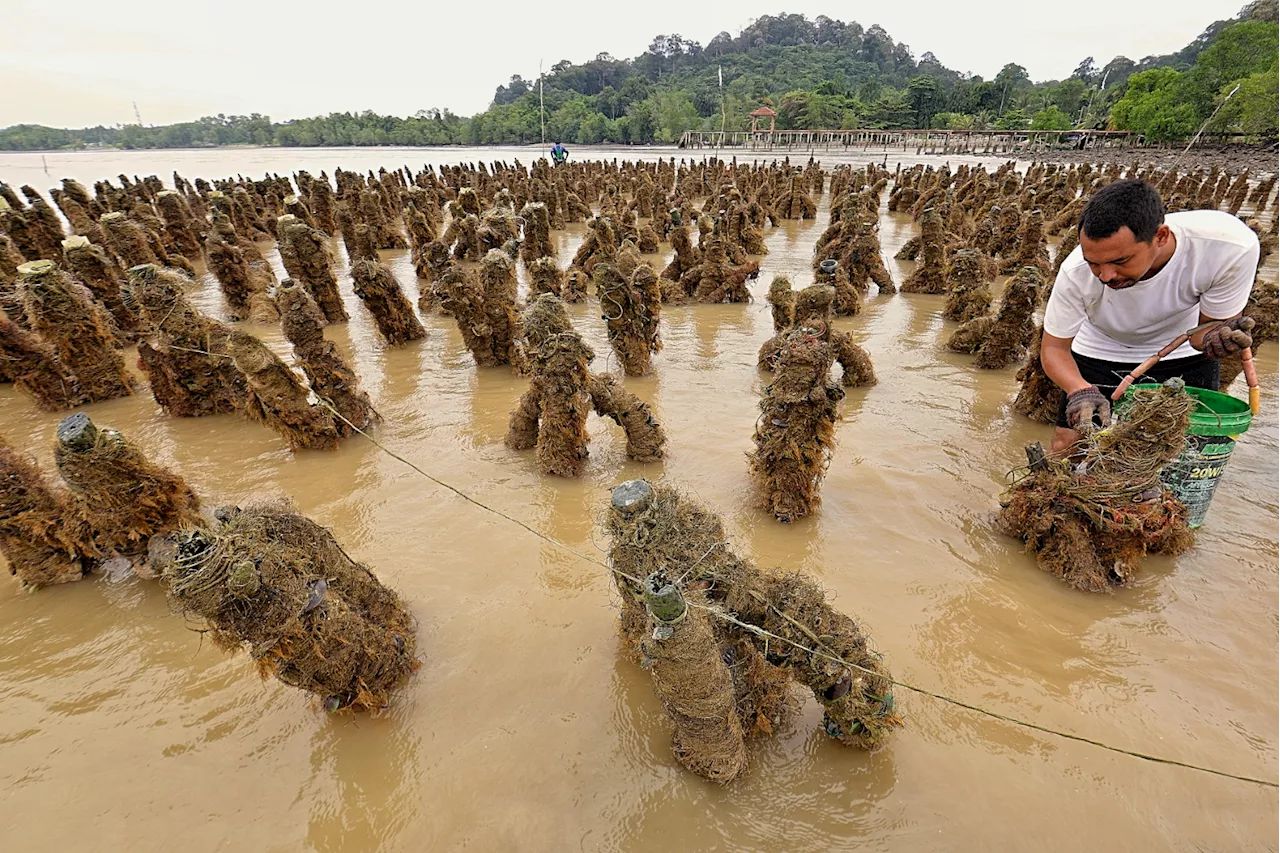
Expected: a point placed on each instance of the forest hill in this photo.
(868, 80)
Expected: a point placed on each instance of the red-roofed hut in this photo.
(762, 112)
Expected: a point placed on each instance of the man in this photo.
(1138, 280)
(559, 154)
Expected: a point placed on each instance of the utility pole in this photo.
(724, 115)
(137, 114)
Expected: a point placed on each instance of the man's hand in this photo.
(1086, 405)
(1228, 338)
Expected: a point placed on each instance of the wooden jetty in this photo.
(922, 141)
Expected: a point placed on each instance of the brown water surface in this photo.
(528, 729)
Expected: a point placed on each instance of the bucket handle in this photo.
(1155, 359)
(1246, 363)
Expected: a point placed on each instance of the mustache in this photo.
(1121, 285)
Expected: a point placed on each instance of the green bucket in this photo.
(1211, 436)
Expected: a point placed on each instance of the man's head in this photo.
(1122, 233)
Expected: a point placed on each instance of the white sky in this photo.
(83, 62)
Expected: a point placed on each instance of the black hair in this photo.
(1134, 203)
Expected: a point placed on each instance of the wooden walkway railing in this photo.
(922, 141)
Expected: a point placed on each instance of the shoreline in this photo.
(1232, 158)
(204, 148)
(1262, 153)
(87, 164)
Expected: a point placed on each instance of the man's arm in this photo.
(1064, 315)
(1197, 340)
(1226, 297)
(1059, 365)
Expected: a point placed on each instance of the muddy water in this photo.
(527, 729)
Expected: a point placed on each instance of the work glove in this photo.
(1087, 405)
(1228, 338)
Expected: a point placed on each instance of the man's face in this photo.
(1121, 260)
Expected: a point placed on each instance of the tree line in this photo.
(816, 74)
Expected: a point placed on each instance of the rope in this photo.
(758, 631)
(325, 404)
(1196, 138)
(755, 629)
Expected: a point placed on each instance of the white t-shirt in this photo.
(1211, 271)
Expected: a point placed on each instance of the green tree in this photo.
(1006, 85)
(1012, 74)
(1155, 105)
(891, 110)
(1252, 109)
(1086, 71)
(565, 122)
(850, 120)
(641, 124)
(806, 110)
(593, 129)
(1013, 120)
(1051, 118)
(952, 121)
(924, 93)
(673, 114)
(984, 120)
(1240, 50)
(1069, 95)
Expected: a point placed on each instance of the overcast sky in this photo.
(78, 63)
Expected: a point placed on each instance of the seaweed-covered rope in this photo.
(757, 630)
